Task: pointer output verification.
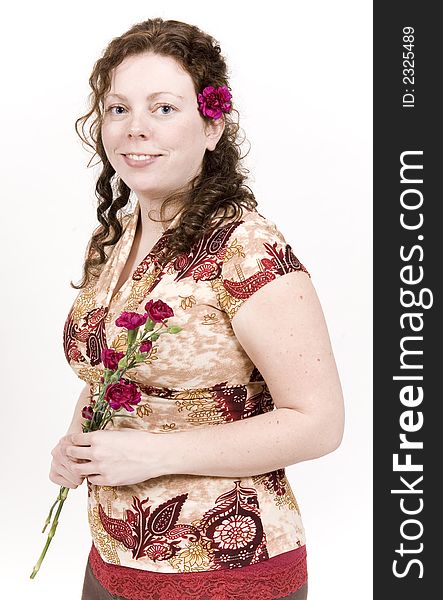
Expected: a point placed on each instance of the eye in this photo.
(167, 106)
(111, 108)
(115, 106)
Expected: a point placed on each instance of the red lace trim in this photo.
(274, 578)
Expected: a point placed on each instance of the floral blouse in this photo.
(200, 377)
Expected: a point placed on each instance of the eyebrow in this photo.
(149, 97)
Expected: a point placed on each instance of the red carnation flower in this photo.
(122, 394)
(214, 101)
(158, 310)
(110, 358)
(130, 320)
(87, 412)
(146, 346)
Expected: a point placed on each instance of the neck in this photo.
(147, 226)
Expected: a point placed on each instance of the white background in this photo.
(301, 75)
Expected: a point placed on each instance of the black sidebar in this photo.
(408, 332)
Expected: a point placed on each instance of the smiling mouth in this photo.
(140, 159)
(140, 163)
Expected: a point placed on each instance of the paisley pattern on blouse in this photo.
(228, 535)
(200, 377)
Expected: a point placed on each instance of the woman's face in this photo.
(152, 109)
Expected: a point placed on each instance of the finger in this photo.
(65, 460)
(81, 439)
(96, 479)
(58, 448)
(61, 481)
(65, 467)
(71, 477)
(78, 452)
(84, 469)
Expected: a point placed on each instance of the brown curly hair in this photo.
(220, 183)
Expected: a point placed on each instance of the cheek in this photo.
(191, 138)
(110, 138)
(109, 133)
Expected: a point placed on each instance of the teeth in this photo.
(139, 157)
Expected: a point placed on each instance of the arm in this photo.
(77, 419)
(61, 471)
(244, 448)
(282, 329)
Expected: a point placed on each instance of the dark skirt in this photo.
(93, 590)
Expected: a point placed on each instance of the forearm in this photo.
(251, 446)
(77, 419)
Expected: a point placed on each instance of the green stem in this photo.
(105, 418)
(61, 498)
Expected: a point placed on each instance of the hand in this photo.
(61, 471)
(115, 457)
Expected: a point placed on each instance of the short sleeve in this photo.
(256, 253)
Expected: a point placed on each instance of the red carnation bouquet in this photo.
(116, 393)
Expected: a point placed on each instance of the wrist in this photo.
(166, 452)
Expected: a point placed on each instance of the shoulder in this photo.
(254, 252)
(252, 223)
(259, 241)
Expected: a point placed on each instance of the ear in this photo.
(214, 130)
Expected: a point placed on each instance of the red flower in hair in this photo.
(214, 101)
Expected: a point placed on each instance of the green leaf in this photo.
(174, 329)
(149, 325)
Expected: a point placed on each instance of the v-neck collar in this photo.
(124, 248)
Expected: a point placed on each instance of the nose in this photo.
(138, 127)
(136, 131)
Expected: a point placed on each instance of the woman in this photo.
(250, 385)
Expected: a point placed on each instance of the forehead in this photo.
(148, 74)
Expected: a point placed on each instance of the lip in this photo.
(139, 164)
